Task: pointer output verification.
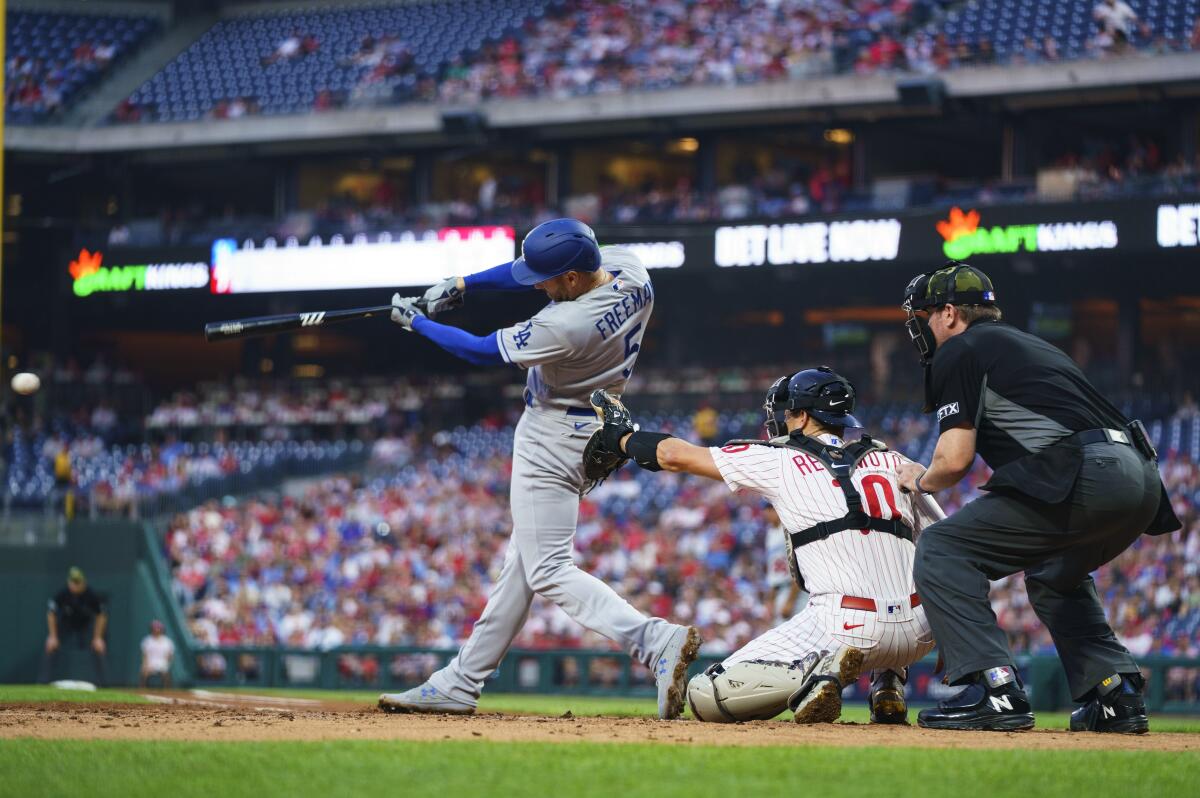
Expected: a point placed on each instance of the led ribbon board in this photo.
(90, 276)
(1179, 225)
(407, 259)
(810, 242)
(965, 236)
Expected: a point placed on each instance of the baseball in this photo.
(26, 383)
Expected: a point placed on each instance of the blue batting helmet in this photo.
(821, 392)
(556, 247)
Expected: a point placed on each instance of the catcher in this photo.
(849, 533)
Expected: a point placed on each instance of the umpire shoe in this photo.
(425, 699)
(994, 702)
(1116, 707)
(819, 699)
(886, 700)
(670, 670)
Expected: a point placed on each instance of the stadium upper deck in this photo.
(394, 69)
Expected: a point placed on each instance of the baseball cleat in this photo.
(981, 708)
(670, 670)
(1120, 711)
(425, 699)
(819, 700)
(886, 700)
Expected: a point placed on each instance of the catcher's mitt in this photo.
(603, 454)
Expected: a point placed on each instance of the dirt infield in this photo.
(223, 716)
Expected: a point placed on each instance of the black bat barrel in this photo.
(263, 325)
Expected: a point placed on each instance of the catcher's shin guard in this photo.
(753, 690)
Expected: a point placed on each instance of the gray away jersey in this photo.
(572, 348)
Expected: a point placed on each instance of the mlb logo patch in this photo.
(989, 296)
(894, 609)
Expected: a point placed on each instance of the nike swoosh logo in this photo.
(835, 404)
(581, 424)
(848, 626)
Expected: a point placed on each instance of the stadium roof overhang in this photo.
(871, 97)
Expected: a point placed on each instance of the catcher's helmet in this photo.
(556, 247)
(821, 392)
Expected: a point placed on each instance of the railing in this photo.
(46, 526)
(1173, 684)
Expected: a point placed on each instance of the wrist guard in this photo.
(643, 448)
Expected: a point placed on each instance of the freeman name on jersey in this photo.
(623, 310)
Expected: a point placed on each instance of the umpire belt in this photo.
(1098, 436)
(860, 603)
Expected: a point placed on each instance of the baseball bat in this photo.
(262, 325)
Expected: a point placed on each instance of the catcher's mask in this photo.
(821, 392)
(956, 283)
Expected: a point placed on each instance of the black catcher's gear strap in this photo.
(841, 462)
(643, 448)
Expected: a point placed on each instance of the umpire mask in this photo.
(956, 283)
(918, 326)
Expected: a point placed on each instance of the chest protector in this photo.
(840, 461)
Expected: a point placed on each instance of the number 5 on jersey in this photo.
(632, 347)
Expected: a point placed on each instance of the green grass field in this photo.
(584, 706)
(450, 768)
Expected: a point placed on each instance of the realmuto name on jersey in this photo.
(809, 465)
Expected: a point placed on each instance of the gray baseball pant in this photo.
(547, 479)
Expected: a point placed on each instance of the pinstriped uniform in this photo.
(873, 565)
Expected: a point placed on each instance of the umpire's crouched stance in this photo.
(1074, 484)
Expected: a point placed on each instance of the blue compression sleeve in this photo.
(480, 350)
(497, 278)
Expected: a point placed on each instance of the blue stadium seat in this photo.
(47, 69)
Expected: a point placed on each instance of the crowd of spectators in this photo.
(52, 57)
(406, 557)
(38, 87)
(604, 47)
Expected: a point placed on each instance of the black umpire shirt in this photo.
(1022, 396)
(76, 610)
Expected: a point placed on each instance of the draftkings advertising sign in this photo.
(90, 275)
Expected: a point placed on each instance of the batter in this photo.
(587, 338)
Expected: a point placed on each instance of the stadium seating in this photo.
(469, 50)
(193, 427)
(402, 552)
(1008, 23)
(52, 58)
(407, 559)
(239, 60)
(119, 478)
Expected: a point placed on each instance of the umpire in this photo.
(1074, 484)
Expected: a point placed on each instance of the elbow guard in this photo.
(642, 447)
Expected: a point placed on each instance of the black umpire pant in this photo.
(1114, 500)
(81, 638)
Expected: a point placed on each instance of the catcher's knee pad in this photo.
(753, 690)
